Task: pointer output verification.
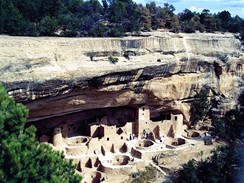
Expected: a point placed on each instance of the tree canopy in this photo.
(199, 107)
(106, 18)
(22, 157)
(226, 165)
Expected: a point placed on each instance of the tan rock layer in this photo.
(55, 76)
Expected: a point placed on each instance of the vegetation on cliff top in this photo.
(109, 18)
(22, 157)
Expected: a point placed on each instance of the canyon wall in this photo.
(60, 76)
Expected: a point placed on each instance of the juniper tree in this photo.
(199, 107)
(22, 157)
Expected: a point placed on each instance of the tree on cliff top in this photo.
(22, 157)
(105, 18)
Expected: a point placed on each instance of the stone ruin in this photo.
(112, 119)
(110, 144)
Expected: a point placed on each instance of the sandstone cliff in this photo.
(55, 76)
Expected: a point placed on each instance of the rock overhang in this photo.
(55, 76)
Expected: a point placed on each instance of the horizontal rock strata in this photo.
(59, 76)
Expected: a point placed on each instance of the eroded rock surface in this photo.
(55, 76)
(114, 119)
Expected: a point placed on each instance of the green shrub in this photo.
(199, 107)
(22, 157)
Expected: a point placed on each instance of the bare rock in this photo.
(56, 76)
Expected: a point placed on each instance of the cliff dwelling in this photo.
(114, 119)
(108, 141)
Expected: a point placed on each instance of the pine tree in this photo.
(199, 107)
(22, 157)
(146, 19)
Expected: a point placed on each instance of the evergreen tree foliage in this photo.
(208, 21)
(106, 18)
(22, 157)
(190, 21)
(186, 15)
(146, 19)
(188, 173)
(224, 166)
(231, 126)
(199, 107)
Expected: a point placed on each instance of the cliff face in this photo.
(58, 76)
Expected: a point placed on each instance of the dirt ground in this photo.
(169, 161)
